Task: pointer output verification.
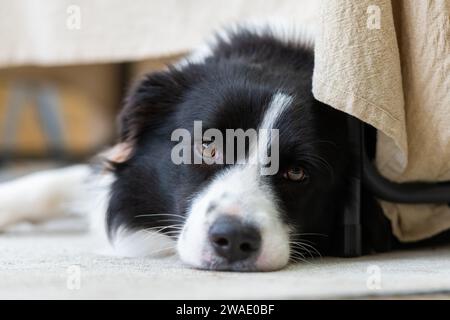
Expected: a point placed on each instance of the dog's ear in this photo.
(150, 101)
(111, 157)
(146, 107)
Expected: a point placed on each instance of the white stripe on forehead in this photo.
(266, 141)
(278, 105)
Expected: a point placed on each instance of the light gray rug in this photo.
(57, 263)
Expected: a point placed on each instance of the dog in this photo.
(221, 215)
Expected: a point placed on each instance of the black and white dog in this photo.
(217, 215)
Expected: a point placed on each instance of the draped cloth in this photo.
(388, 64)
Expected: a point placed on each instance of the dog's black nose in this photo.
(234, 240)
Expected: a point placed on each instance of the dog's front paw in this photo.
(16, 202)
(9, 207)
(6, 220)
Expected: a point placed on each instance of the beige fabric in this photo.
(37, 32)
(397, 78)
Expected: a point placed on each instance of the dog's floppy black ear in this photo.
(149, 102)
(146, 106)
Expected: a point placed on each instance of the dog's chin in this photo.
(218, 264)
(209, 261)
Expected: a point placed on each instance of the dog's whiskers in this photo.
(309, 234)
(298, 257)
(297, 246)
(170, 217)
(169, 220)
(305, 246)
(160, 228)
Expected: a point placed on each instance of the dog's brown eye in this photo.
(295, 174)
(209, 149)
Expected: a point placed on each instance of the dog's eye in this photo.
(295, 174)
(208, 151)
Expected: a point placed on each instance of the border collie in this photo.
(221, 215)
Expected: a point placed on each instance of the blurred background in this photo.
(66, 65)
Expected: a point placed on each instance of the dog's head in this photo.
(237, 214)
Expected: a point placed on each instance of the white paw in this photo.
(40, 196)
(8, 213)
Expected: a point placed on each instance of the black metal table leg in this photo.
(351, 219)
